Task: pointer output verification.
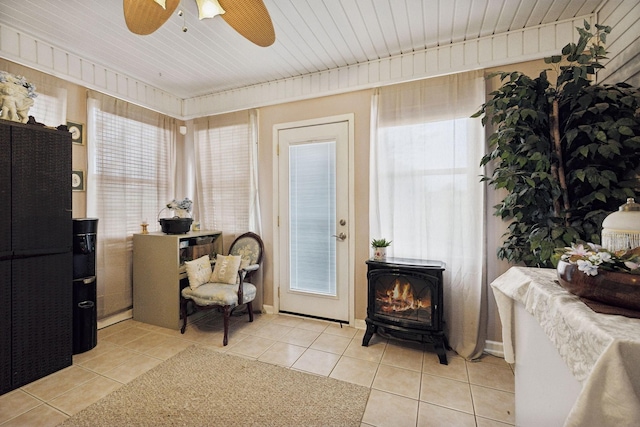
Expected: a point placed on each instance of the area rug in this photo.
(202, 387)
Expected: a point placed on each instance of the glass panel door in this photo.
(313, 205)
(312, 217)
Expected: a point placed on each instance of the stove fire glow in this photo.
(400, 298)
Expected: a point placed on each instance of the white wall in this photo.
(623, 43)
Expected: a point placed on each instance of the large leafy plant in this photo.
(567, 153)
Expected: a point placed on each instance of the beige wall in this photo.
(357, 103)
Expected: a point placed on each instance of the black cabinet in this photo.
(35, 253)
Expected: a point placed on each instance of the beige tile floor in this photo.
(409, 387)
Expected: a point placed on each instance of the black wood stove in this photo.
(405, 301)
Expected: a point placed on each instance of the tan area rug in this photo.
(201, 387)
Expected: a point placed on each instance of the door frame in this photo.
(350, 119)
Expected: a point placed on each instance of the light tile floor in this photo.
(409, 387)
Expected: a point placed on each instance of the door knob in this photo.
(340, 236)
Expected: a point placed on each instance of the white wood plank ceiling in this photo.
(312, 37)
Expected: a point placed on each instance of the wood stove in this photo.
(405, 301)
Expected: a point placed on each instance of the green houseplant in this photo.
(380, 243)
(380, 248)
(567, 153)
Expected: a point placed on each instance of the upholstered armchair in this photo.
(226, 287)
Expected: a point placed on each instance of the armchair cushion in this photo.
(226, 269)
(198, 271)
(248, 248)
(220, 294)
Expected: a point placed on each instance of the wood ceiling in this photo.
(311, 36)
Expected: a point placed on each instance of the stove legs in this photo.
(440, 350)
(438, 339)
(371, 329)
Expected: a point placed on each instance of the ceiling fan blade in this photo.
(251, 19)
(145, 16)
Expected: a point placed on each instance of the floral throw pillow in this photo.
(198, 271)
(226, 269)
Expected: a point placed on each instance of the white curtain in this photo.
(425, 191)
(225, 149)
(226, 169)
(131, 177)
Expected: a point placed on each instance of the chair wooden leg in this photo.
(183, 313)
(250, 310)
(226, 315)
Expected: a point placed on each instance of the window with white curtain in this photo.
(425, 192)
(425, 165)
(130, 179)
(226, 173)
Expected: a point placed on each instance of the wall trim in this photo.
(494, 348)
(116, 318)
(360, 324)
(23, 49)
(485, 52)
(268, 309)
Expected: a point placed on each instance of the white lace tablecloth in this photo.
(601, 351)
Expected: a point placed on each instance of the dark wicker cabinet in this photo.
(36, 259)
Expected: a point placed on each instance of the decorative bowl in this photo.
(607, 287)
(175, 225)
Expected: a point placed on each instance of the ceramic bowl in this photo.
(608, 287)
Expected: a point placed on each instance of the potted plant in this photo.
(567, 152)
(380, 248)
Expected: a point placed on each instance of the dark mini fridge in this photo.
(85, 310)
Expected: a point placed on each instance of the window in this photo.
(425, 192)
(131, 178)
(424, 171)
(225, 149)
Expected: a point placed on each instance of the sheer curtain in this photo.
(425, 191)
(226, 169)
(225, 149)
(131, 176)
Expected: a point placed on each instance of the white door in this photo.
(313, 180)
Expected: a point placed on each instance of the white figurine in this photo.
(16, 97)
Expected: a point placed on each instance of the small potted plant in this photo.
(380, 248)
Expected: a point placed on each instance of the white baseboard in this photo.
(112, 320)
(494, 348)
(268, 309)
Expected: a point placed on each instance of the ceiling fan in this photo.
(250, 18)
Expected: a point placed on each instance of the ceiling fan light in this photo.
(209, 8)
(162, 3)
